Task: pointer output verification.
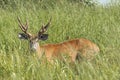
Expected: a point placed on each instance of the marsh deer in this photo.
(72, 48)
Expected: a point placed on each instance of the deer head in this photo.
(33, 39)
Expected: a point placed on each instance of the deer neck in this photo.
(37, 48)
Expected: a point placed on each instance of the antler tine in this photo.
(44, 28)
(26, 25)
(23, 27)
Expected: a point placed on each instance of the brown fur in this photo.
(72, 48)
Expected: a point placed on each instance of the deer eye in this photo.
(43, 37)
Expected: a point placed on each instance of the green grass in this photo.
(98, 24)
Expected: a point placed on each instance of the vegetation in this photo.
(96, 23)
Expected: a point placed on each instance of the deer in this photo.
(73, 48)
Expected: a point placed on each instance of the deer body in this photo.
(72, 48)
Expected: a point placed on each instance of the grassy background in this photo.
(98, 24)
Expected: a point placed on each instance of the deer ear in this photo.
(43, 37)
(22, 36)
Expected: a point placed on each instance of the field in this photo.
(69, 19)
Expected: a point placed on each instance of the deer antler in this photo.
(44, 27)
(23, 27)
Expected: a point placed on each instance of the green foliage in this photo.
(15, 4)
(98, 24)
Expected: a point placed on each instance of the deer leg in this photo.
(73, 56)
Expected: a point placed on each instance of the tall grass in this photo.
(98, 24)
